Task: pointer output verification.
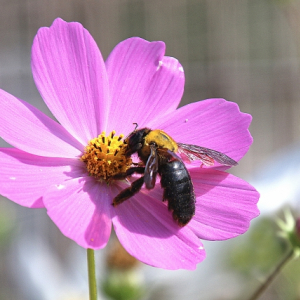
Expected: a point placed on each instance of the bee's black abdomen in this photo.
(178, 190)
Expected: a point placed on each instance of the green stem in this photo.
(92, 274)
(270, 278)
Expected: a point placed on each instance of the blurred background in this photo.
(246, 51)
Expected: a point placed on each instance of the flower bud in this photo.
(297, 227)
(290, 230)
(123, 277)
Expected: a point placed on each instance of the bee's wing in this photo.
(206, 155)
(151, 168)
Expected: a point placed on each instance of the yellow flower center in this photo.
(104, 156)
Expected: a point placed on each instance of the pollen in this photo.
(104, 156)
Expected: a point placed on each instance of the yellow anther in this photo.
(104, 156)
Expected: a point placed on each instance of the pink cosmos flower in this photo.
(87, 96)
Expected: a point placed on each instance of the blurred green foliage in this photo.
(256, 254)
(261, 250)
(7, 221)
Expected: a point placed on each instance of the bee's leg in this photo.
(139, 170)
(130, 171)
(129, 192)
(140, 164)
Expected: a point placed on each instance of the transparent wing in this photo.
(205, 155)
(151, 168)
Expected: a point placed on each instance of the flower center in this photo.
(104, 156)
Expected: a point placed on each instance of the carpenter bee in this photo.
(158, 154)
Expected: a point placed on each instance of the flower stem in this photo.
(270, 278)
(92, 274)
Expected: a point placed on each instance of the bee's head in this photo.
(135, 140)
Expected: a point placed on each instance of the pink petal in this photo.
(28, 129)
(80, 208)
(215, 123)
(225, 204)
(144, 84)
(147, 231)
(25, 177)
(70, 74)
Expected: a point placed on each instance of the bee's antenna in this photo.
(136, 126)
